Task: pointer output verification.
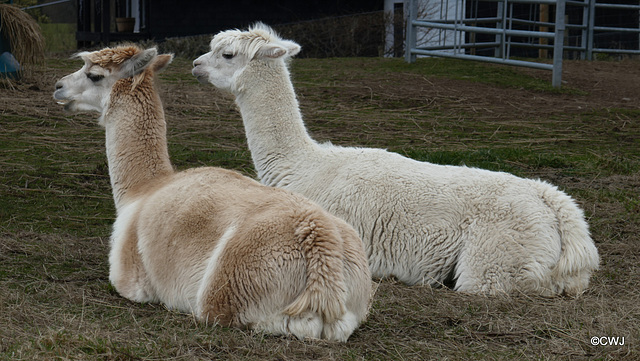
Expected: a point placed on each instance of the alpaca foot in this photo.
(341, 329)
(305, 325)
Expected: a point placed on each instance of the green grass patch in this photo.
(522, 161)
(187, 157)
(59, 38)
(341, 69)
(513, 160)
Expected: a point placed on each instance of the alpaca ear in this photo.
(292, 48)
(84, 55)
(273, 51)
(139, 62)
(161, 62)
(279, 49)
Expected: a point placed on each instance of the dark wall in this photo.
(192, 17)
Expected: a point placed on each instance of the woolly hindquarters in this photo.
(262, 282)
(579, 257)
(275, 263)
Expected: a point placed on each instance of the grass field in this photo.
(56, 209)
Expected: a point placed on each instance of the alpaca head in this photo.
(232, 50)
(90, 87)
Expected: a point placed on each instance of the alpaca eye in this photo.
(227, 56)
(94, 77)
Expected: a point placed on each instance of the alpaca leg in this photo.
(529, 277)
(483, 279)
(487, 264)
(305, 325)
(126, 269)
(342, 328)
(505, 262)
(127, 274)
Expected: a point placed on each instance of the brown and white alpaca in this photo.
(207, 240)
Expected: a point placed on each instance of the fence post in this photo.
(592, 17)
(558, 44)
(500, 24)
(411, 11)
(584, 44)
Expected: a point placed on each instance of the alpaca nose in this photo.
(196, 62)
(58, 85)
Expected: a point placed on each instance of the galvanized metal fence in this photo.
(595, 7)
(493, 36)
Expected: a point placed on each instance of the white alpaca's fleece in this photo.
(482, 231)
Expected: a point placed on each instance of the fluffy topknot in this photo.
(110, 58)
(246, 42)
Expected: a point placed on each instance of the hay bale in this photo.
(24, 36)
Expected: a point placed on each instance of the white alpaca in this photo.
(487, 232)
(208, 240)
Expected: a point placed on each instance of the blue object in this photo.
(9, 66)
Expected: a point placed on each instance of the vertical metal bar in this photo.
(558, 44)
(456, 44)
(499, 38)
(460, 15)
(442, 35)
(584, 37)
(503, 25)
(592, 17)
(411, 12)
(505, 55)
(499, 25)
(472, 36)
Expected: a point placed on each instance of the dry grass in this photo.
(56, 211)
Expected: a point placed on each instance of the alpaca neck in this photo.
(136, 139)
(276, 134)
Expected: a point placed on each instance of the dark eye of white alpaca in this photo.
(94, 77)
(227, 55)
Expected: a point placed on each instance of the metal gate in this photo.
(507, 27)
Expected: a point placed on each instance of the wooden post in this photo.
(544, 18)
